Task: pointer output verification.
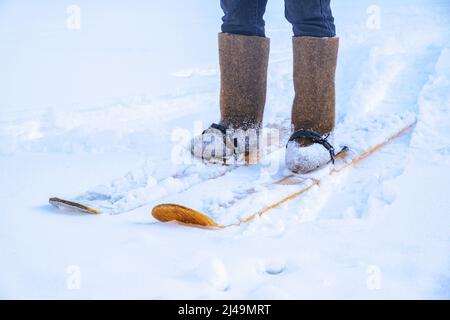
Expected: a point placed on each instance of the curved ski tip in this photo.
(168, 212)
(74, 206)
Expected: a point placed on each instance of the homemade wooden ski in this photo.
(73, 206)
(173, 212)
(276, 135)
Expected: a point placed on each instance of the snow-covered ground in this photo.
(80, 107)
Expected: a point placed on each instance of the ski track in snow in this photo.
(379, 230)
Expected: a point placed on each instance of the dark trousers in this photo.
(308, 17)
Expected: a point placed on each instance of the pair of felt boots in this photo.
(243, 66)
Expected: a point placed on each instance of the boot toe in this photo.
(302, 160)
(210, 147)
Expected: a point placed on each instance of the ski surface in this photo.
(364, 141)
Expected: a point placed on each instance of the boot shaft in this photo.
(243, 65)
(315, 62)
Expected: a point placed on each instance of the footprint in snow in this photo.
(274, 266)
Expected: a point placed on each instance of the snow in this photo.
(102, 108)
(214, 272)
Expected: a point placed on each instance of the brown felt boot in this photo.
(313, 111)
(243, 66)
